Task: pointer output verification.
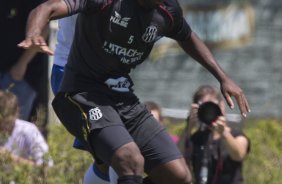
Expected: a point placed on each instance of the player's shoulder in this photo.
(173, 8)
(172, 5)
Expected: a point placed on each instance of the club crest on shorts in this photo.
(95, 113)
(150, 34)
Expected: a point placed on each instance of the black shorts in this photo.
(114, 120)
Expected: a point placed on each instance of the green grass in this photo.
(262, 165)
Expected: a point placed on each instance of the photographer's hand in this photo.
(236, 146)
(220, 126)
(193, 116)
(192, 119)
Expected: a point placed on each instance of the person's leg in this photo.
(163, 160)
(164, 163)
(96, 174)
(56, 78)
(113, 176)
(102, 132)
(175, 172)
(115, 146)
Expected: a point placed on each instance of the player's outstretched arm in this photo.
(37, 21)
(199, 51)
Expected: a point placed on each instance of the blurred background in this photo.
(245, 38)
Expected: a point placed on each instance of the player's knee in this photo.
(128, 160)
(183, 177)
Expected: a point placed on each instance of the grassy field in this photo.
(262, 166)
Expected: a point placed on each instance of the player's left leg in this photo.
(163, 161)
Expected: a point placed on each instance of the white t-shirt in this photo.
(64, 39)
(26, 141)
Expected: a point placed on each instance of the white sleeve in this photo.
(38, 147)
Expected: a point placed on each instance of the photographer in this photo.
(215, 150)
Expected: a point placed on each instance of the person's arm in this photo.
(16, 158)
(38, 20)
(18, 70)
(38, 147)
(193, 46)
(192, 119)
(237, 147)
(185, 142)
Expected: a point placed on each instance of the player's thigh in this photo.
(164, 162)
(174, 171)
(84, 112)
(115, 146)
(159, 148)
(106, 141)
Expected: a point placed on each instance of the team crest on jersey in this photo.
(117, 19)
(150, 34)
(95, 113)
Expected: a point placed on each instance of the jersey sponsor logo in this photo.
(150, 34)
(117, 19)
(127, 56)
(95, 113)
(121, 84)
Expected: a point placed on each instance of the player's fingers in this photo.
(247, 103)
(25, 43)
(242, 104)
(46, 50)
(41, 41)
(228, 100)
(38, 41)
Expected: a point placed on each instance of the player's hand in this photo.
(36, 42)
(229, 88)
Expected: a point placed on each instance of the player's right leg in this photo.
(100, 174)
(114, 145)
(101, 129)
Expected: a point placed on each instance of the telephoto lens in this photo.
(209, 112)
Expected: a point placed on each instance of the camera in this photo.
(209, 112)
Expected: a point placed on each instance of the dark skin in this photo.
(174, 171)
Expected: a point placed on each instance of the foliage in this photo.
(263, 164)
(69, 164)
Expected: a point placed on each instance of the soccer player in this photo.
(96, 102)
(96, 173)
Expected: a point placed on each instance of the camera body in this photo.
(209, 112)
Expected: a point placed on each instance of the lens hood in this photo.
(209, 112)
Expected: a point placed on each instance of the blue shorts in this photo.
(56, 80)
